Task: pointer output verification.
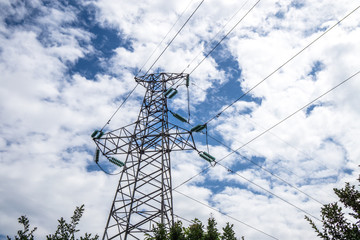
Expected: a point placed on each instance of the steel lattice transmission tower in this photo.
(144, 194)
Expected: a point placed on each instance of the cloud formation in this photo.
(65, 67)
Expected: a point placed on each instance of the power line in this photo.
(271, 193)
(259, 166)
(281, 66)
(224, 37)
(157, 58)
(227, 215)
(268, 171)
(213, 38)
(292, 114)
(286, 118)
(249, 119)
(126, 98)
(189, 179)
(183, 218)
(164, 37)
(264, 189)
(192, 14)
(286, 169)
(102, 169)
(254, 163)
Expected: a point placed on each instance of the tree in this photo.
(159, 232)
(26, 234)
(228, 232)
(212, 232)
(195, 231)
(335, 225)
(176, 232)
(65, 231)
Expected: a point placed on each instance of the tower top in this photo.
(172, 78)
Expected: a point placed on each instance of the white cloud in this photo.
(48, 113)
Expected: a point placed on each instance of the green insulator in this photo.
(179, 117)
(94, 133)
(208, 155)
(187, 81)
(198, 128)
(116, 162)
(101, 133)
(201, 127)
(97, 154)
(171, 95)
(202, 155)
(168, 91)
(194, 128)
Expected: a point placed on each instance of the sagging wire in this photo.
(164, 37)
(192, 14)
(213, 38)
(225, 214)
(286, 118)
(112, 174)
(124, 101)
(111, 159)
(282, 65)
(225, 36)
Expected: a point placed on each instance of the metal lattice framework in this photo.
(144, 194)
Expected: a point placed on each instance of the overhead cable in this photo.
(292, 114)
(224, 37)
(147, 60)
(102, 169)
(192, 14)
(124, 101)
(213, 38)
(249, 119)
(271, 193)
(286, 118)
(281, 66)
(257, 185)
(254, 163)
(227, 215)
(268, 171)
(183, 218)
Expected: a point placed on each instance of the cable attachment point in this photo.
(97, 134)
(198, 128)
(170, 93)
(116, 162)
(208, 158)
(178, 117)
(97, 155)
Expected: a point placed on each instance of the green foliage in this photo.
(159, 232)
(335, 225)
(26, 234)
(193, 232)
(176, 232)
(228, 232)
(212, 232)
(65, 231)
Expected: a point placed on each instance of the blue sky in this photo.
(67, 65)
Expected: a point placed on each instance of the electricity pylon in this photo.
(144, 194)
